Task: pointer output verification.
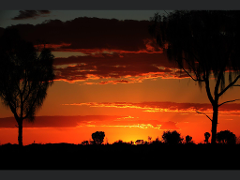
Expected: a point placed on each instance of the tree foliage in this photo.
(188, 139)
(226, 137)
(172, 137)
(207, 136)
(98, 137)
(24, 76)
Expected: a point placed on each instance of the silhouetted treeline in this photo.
(120, 155)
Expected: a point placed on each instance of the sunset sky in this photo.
(111, 76)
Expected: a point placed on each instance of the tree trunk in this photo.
(214, 123)
(20, 122)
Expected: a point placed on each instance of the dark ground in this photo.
(120, 157)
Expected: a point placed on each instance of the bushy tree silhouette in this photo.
(171, 137)
(207, 136)
(205, 45)
(188, 139)
(98, 137)
(226, 137)
(24, 76)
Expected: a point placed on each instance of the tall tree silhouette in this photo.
(24, 76)
(205, 45)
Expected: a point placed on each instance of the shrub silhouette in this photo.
(171, 137)
(149, 139)
(226, 137)
(139, 141)
(85, 143)
(188, 139)
(98, 137)
(206, 135)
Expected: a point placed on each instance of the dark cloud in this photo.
(134, 67)
(122, 50)
(28, 14)
(91, 33)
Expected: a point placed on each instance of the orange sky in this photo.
(128, 90)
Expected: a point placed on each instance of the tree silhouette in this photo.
(171, 137)
(24, 76)
(226, 137)
(188, 139)
(205, 45)
(98, 137)
(149, 139)
(206, 135)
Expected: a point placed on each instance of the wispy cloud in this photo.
(232, 108)
(31, 14)
(89, 121)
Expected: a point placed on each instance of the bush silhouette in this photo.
(171, 137)
(206, 135)
(98, 137)
(188, 139)
(85, 143)
(226, 137)
(139, 141)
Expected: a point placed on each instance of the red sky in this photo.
(111, 76)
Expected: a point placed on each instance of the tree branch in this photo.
(191, 75)
(204, 114)
(231, 84)
(198, 76)
(227, 102)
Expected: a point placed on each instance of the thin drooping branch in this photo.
(197, 77)
(204, 114)
(228, 102)
(230, 84)
(191, 75)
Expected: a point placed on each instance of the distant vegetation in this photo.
(173, 152)
(168, 137)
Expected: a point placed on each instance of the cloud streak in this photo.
(30, 14)
(164, 106)
(88, 121)
(122, 68)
